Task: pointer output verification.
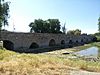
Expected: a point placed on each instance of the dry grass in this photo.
(31, 64)
(12, 63)
(30, 67)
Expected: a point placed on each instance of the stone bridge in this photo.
(17, 40)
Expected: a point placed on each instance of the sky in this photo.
(77, 14)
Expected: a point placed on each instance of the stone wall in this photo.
(33, 40)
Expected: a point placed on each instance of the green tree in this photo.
(4, 13)
(99, 25)
(70, 32)
(77, 32)
(47, 26)
(54, 25)
(37, 26)
(74, 32)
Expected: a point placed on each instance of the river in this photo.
(92, 51)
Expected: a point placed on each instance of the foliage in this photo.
(47, 26)
(98, 38)
(99, 24)
(70, 32)
(96, 44)
(74, 32)
(97, 35)
(4, 13)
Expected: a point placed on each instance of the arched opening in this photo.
(70, 42)
(8, 45)
(94, 39)
(77, 41)
(62, 42)
(81, 40)
(52, 42)
(34, 45)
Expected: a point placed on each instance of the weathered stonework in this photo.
(34, 40)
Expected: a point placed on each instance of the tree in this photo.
(74, 32)
(77, 32)
(70, 32)
(32, 27)
(4, 13)
(37, 26)
(54, 25)
(47, 26)
(99, 25)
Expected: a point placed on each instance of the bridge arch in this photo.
(62, 42)
(77, 41)
(82, 40)
(52, 42)
(70, 42)
(34, 45)
(8, 45)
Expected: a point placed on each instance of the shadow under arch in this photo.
(62, 42)
(70, 42)
(52, 42)
(82, 40)
(77, 41)
(34, 46)
(8, 45)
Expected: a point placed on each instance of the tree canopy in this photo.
(4, 13)
(74, 32)
(45, 26)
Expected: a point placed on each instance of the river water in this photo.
(92, 51)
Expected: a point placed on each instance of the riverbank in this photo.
(48, 63)
(86, 63)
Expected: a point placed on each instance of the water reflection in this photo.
(92, 51)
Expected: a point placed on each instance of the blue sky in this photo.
(78, 14)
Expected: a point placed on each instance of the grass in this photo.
(31, 64)
(96, 44)
(12, 63)
(5, 53)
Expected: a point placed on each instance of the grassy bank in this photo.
(97, 44)
(12, 63)
(29, 64)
